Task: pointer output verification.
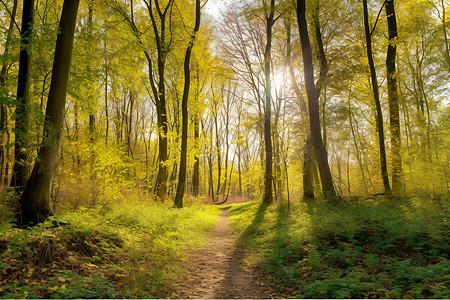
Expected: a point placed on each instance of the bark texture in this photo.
(394, 113)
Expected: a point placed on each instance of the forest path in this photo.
(218, 270)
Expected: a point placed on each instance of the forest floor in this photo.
(219, 270)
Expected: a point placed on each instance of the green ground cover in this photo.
(123, 250)
(372, 248)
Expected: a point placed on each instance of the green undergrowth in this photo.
(372, 248)
(128, 250)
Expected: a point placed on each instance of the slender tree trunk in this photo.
(379, 118)
(35, 201)
(21, 167)
(394, 113)
(90, 75)
(106, 97)
(219, 157)
(184, 107)
(210, 163)
(313, 95)
(196, 175)
(3, 108)
(444, 28)
(268, 195)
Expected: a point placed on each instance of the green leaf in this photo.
(3, 265)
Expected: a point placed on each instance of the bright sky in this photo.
(213, 7)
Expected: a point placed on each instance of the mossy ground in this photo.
(361, 248)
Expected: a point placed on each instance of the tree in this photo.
(4, 135)
(313, 96)
(35, 200)
(308, 156)
(21, 165)
(376, 96)
(394, 113)
(184, 106)
(270, 20)
(159, 90)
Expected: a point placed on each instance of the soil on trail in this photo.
(218, 270)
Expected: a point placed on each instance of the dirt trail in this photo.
(218, 270)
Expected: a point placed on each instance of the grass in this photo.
(128, 250)
(373, 248)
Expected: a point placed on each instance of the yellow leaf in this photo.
(63, 286)
(53, 288)
(91, 265)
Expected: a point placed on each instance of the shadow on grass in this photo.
(248, 235)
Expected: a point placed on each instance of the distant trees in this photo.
(263, 109)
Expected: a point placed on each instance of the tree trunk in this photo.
(3, 109)
(106, 96)
(184, 110)
(159, 91)
(313, 95)
(394, 113)
(379, 119)
(444, 28)
(219, 157)
(35, 201)
(196, 174)
(268, 196)
(308, 155)
(21, 165)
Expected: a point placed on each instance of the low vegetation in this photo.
(361, 248)
(122, 250)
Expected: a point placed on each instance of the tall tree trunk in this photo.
(21, 167)
(219, 157)
(308, 155)
(184, 110)
(210, 163)
(90, 73)
(35, 201)
(159, 90)
(379, 118)
(196, 174)
(313, 95)
(270, 20)
(106, 96)
(3, 109)
(394, 113)
(444, 28)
